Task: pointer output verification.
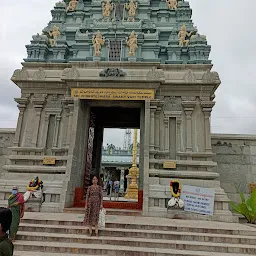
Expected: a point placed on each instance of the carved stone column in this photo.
(207, 108)
(70, 122)
(166, 134)
(38, 103)
(178, 138)
(188, 106)
(56, 131)
(152, 127)
(22, 103)
(45, 129)
(69, 107)
(157, 128)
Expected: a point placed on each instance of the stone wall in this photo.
(6, 139)
(235, 155)
(236, 158)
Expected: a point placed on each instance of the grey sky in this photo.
(228, 25)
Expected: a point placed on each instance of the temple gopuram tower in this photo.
(135, 64)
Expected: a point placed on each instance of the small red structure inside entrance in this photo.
(80, 202)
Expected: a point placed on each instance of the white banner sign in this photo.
(198, 200)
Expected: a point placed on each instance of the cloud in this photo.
(227, 24)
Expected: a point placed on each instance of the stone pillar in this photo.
(145, 178)
(178, 138)
(22, 103)
(38, 103)
(70, 122)
(188, 130)
(99, 142)
(188, 109)
(38, 111)
(152, 127)
(157, 128)
(56, 131)
(45, 129)
(166, 134)
(68, 103)
(122, 174)
(207, 108)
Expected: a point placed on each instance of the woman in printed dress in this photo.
(16, 205)
(93, 205)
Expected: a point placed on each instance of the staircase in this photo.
(63, 234)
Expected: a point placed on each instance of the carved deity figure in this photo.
(54, 34)
(72, 5)
(182, 36)
(107, 8)
(97, 41)
(172, 4)
(132, 43)
(132, 7)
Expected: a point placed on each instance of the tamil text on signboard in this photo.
(198, 200)
(49, 160)
(113, 94)
(169, 165)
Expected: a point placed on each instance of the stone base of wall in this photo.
(159, 194)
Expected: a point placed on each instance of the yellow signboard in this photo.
(169, 165)
(113, 94)
(49, 160)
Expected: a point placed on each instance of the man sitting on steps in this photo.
(6, 246)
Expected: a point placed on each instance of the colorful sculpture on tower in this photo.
(54, 34)
(172, 4)
(131, 7)
(98, 41)
(132, 43)
(183, 36)
(72, 6)
(107, 8)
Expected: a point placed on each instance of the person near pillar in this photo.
(93, 205)
(16, 205)
(6, 246)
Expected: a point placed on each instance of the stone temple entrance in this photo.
(100, 115)
(152, 66)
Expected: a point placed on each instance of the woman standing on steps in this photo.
(16, 205)
(93, 205)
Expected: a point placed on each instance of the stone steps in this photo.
(52, 234)
(111, 249)
(27, 229)
(141, 242)
(25, 253)
(74, 227)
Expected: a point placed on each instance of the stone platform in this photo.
(63, 234)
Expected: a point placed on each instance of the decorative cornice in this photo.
(112, 72)
(39, 74)
(20, 74)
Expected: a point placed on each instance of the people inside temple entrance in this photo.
(100, 183)
(93, 205)
(6, 246)
(116, 189)
(110, 187)
(16, 205)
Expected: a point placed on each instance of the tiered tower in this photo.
(127, 44)
(127, 139)
(161, 29)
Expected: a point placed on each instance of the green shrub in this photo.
(247, 208)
